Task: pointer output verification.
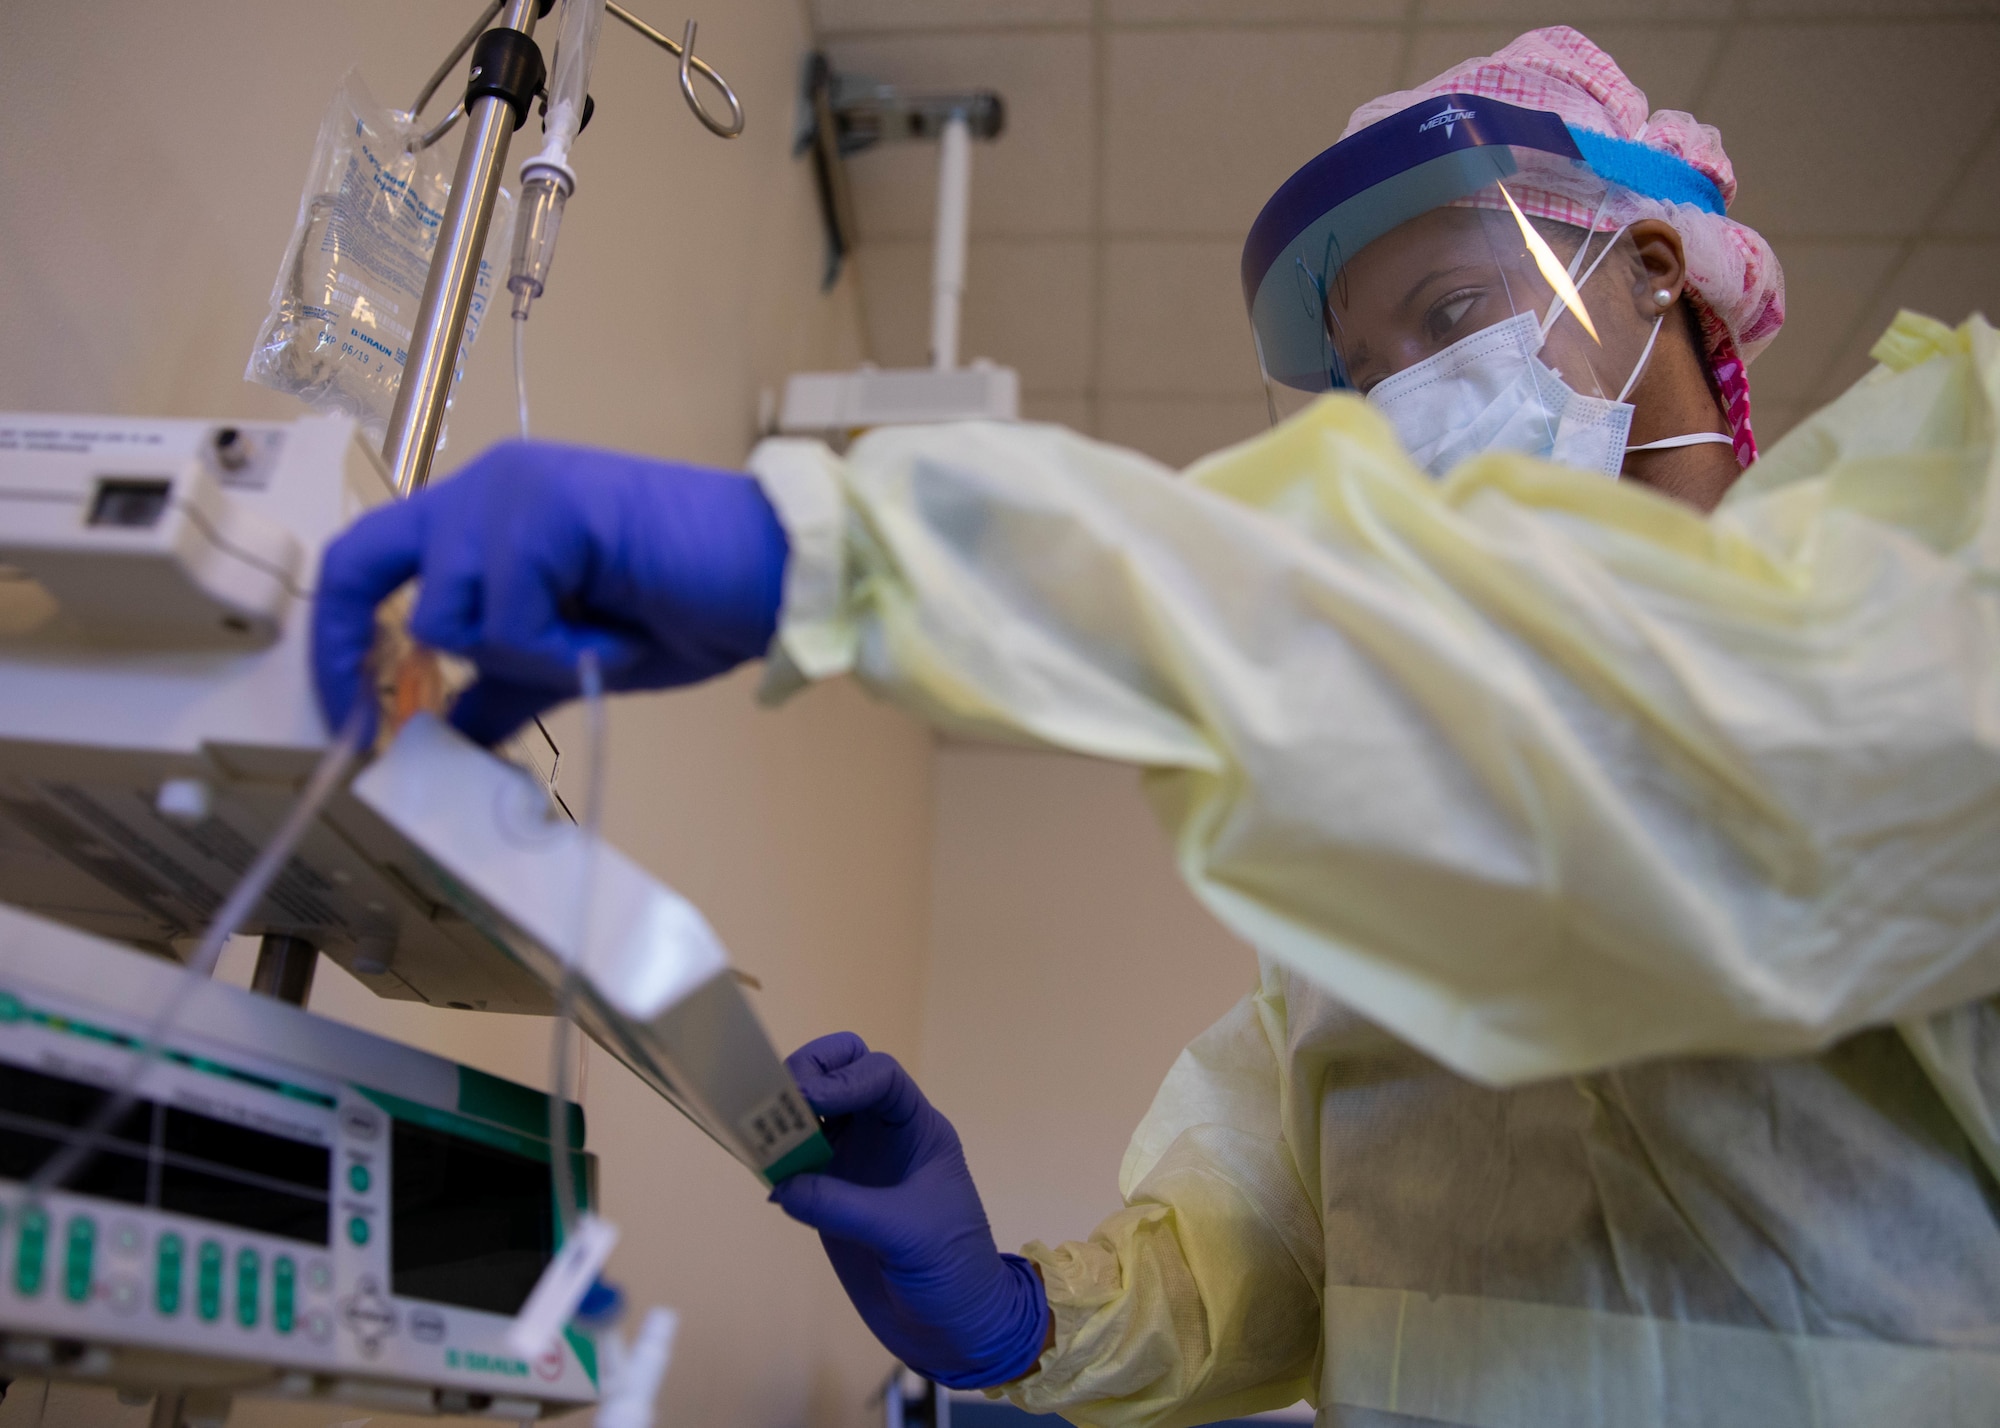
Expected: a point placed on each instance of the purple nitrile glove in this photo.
(536, 552)
(901, 1220)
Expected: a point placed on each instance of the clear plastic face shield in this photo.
(1417, 263)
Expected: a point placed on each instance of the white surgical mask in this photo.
(1491, 392)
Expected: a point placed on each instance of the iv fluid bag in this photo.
(338, 330)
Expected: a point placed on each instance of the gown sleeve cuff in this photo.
(816, 638)
(1081, 1280)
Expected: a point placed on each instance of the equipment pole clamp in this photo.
(506, 64)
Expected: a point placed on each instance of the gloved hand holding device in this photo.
(901, 1220)
(534, 553)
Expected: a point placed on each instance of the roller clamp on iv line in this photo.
(157, 723)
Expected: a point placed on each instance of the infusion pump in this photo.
(157, 719)
(296, 1208)
(156, 704)
(292, 1207)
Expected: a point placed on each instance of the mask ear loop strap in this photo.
(1693, 438)
(1646, 352)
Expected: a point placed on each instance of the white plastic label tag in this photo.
(561, 1288)
(632, 1376)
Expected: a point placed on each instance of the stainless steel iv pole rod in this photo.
(418, 416)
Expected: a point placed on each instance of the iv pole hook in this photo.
(735, 125)
(691, 64)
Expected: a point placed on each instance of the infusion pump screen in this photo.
(470, 1224)
(474, 1225)
(169, 1158)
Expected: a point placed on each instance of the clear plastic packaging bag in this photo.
(338, 330)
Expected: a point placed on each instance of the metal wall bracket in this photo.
(847, 114)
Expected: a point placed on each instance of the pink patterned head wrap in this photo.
(1737, 287)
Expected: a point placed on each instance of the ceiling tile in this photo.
(1947, 279)
(1897, 9)
(896, 301)
(1032, 306)
(1826, 285)
(1850, 130)
(832, 16)
(1523, 14)
(1666, 61)
(1034, 179)
(1070, 411)
(1129, 12)
(1436, 48)
(1178, 430)
(1201, 126)
(1974, 207)
(1174, 320)
(1027, 306)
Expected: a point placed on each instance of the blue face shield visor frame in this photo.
(1426, 156)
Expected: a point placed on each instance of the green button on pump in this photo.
(28, 1254)
(284, 1284)
(248, 1267)
(357, 1176)
(167, 1275)
(208, 1281)
(357, 1230)
(80, 1251)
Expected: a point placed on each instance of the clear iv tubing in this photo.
(521, 369)
(590, 677)
(547, 180)
(576, 52)
(327, 777)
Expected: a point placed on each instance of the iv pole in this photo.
(502, 68)
(418, 416)
(507, 72)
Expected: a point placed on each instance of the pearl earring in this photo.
(1662, 297)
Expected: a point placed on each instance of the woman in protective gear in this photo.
(1623, 856)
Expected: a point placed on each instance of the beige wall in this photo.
(148, 185)
(1069, 966)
